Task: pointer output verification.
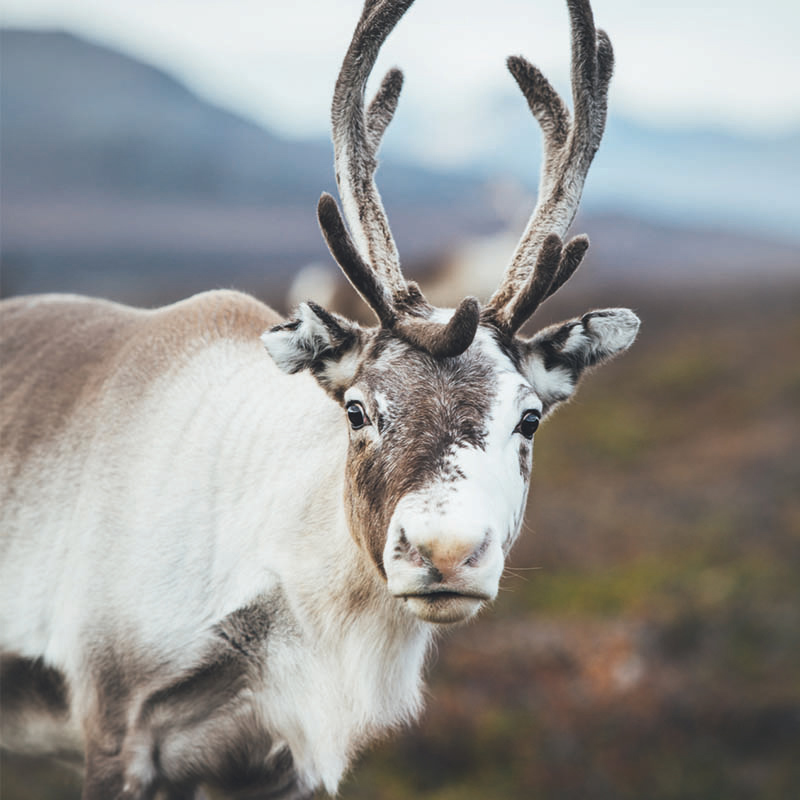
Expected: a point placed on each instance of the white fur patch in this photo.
(292, 349)
(341, 371)
(577, 341)
(552, 385)
(613, 330)
(381, 403)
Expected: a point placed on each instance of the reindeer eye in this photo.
(528, 424)
(356, 414)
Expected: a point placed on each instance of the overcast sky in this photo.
(730, 63)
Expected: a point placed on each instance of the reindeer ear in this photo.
(556, 357)
(324, 343)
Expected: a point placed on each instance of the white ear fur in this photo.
(557, 356)
(610, 331)
(315, 339)
(297, 344)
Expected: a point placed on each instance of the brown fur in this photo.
(58, 352)
(31, 690)
(199, 723)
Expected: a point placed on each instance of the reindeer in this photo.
(221, 569)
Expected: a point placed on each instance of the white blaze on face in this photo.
(452, 536)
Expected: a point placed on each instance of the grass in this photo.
(655, 586)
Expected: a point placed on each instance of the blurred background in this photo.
(646, 643)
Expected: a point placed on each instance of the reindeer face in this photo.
(442, 406)
(438, 470)
(440, 448)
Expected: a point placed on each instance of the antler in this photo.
(357, 137)
(540, 264)
(369, 259)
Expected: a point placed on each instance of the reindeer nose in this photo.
(444, 555)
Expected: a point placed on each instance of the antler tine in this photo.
(554, 267)
(356, 139)
(384, 104)
(569, 147)
(361, 276)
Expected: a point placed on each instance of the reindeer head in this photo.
(442, 405)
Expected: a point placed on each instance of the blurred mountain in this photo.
(111, 166)
(78, 116)
(118, 180)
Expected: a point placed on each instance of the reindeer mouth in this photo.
(438, 595)
(444, 606)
